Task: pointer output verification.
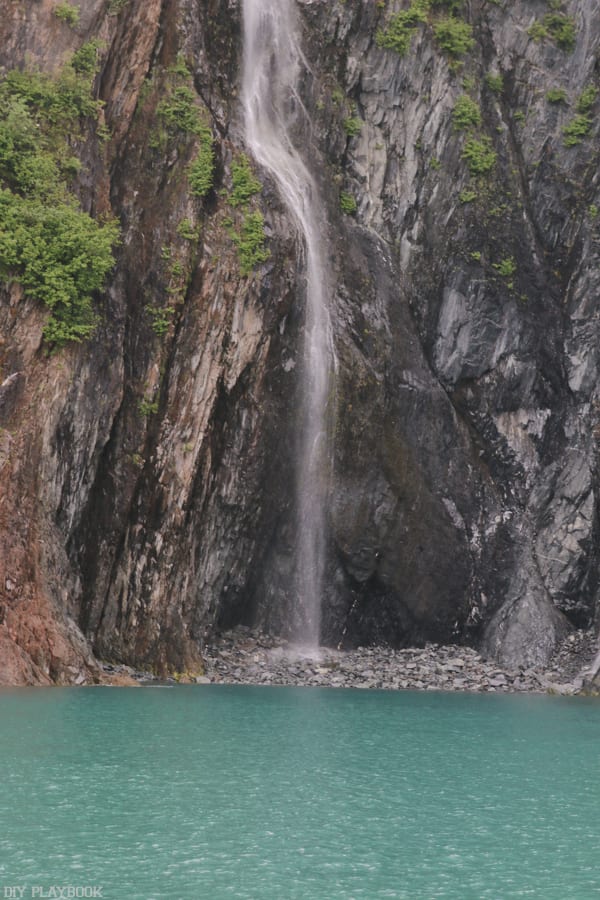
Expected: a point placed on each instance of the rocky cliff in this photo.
(147, 472)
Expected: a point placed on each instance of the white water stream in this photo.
(273, 64)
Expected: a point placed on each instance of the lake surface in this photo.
(276, 793)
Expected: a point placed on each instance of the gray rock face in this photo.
(466, 410)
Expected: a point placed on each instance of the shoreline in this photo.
(245, 656)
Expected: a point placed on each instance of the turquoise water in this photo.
(276, 793)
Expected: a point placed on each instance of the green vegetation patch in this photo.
(479, 155)
(249, 235)
(506, 267)
(398, 33)
(494, 82)
(556, 95)
(353, 126)
(179, 119)
(561, 29)
(557, 27)
(67, 13)
(201, 169)
(347, 203)
(58, 253)
(581, 125)
(250, 241)
(454, 36)
(466, 113)
(244, 181)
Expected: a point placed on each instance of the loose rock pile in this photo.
(243, 656)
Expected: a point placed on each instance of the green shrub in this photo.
(115, 6)
(466, 113)
(347, 203)
(201, 169)
(467, 196)
(453, 6)
(187, 231)
(581, 125)
(556, 95)
(587, 99)
(576, 130)
(398, 33)
(250, 241)
(479, 154)
(85, 60)
(494, 82)
(67, 13)
(148, 407)
(58, 253)
(561, 29)
(353, 126)
(537, 32)
(244, 183)
(161, 321)
(178, 112)
(454, 36)
(506, 267)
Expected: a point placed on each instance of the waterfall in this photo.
(273, 64)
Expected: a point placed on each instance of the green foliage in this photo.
(244, 181)
(178, 112)
(556, 95)
(581, 125)
(479, 154)
(561, 29)
(466, 113)
(179, 67)
(148, 407)
(538, 32)
(250, 241)
(494, 82)
(180, 118)
(587, 99)
(187, 231)
(58, 253)
(67, 13)
(454, 36)
(161, 320)
(576, 130)
(557, 27)
(398, 33)
(506, 267)
(201, 169)
(85, 60)
(467, 196)
(353, 126)
(452, 6)
(347, 203)
(57, 101)
(115, 6)
(593, 211)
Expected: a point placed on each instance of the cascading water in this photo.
(273, 63)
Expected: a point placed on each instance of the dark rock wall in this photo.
(147, 480)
